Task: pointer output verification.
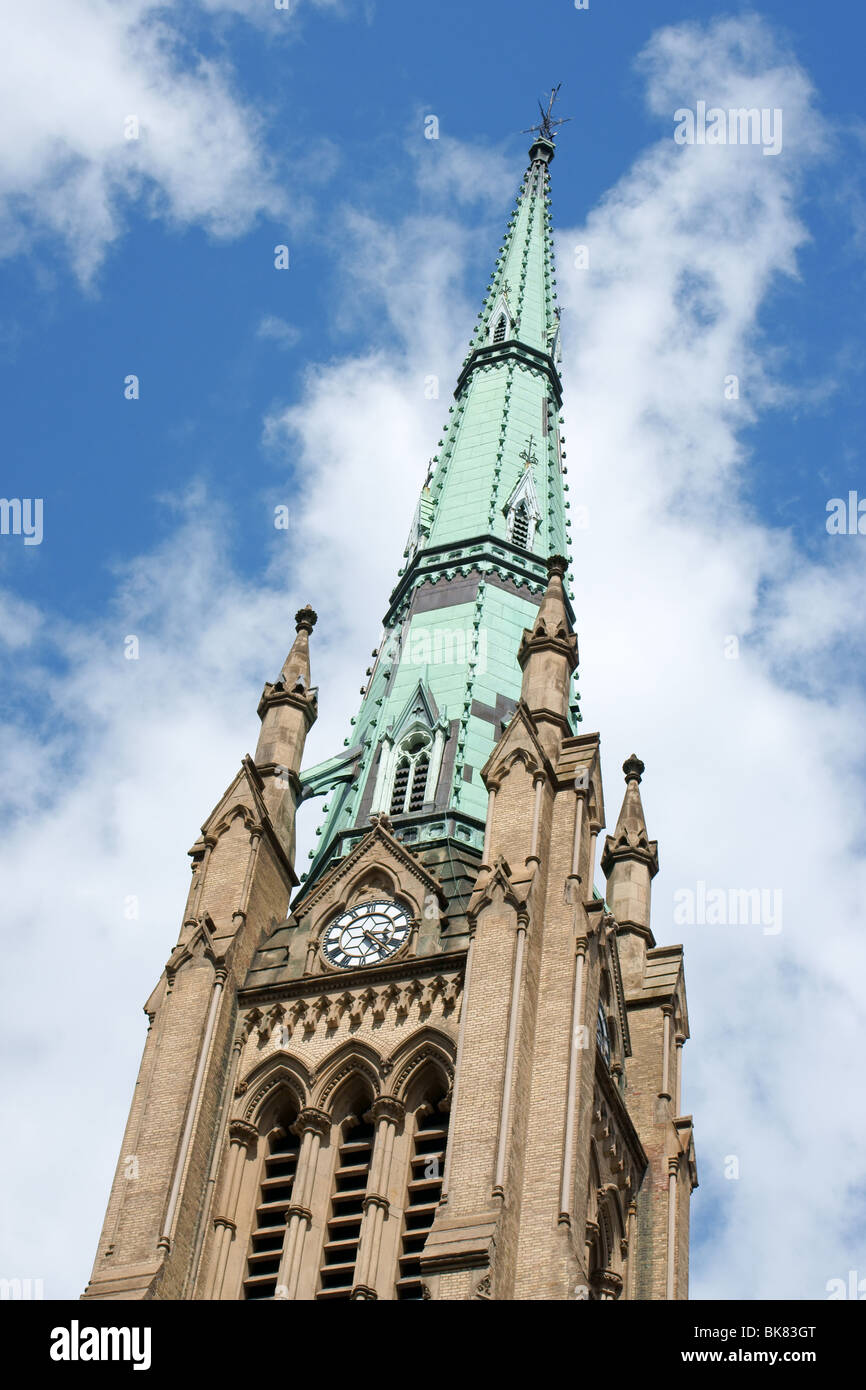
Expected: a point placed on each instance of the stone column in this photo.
(667, 1024)
(589, 1243)
(673, 1170)
(577, 1039)
(388, 1116)
(511, 1042)
(678, 1103)
(313, 1126)
(242, 1137)
(631, 1223)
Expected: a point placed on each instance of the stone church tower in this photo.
(449, 1067)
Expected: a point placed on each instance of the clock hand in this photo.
(378, 939)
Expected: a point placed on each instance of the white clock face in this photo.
(365, 934)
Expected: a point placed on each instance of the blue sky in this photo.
(304, 387)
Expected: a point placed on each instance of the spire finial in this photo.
(547, 128)
(305, 618)
(633, 768)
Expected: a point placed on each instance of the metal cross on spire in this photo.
(547, 128)
(527, 455)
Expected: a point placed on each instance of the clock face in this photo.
(366, 934)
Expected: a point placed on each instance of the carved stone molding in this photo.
(329, 1009)
(240, 1132)
(606, 1285)
(279, 1076)
(428, 1052)
(350, 1066)
(313, 1120)
(375, 1199)
(389, 1108)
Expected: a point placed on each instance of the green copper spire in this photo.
(445, 675)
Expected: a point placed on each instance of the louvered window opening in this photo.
(269, 1232)
(419, 783)
(340, 1253)
(500, 329)
(520, 528)
(401, 784)
(424, 1189)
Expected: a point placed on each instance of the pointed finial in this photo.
(306, 619)
(633, 768)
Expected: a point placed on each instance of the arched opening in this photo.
(411, 776)
(427, 1116)
(354, 1135)
(268, 1235)
(501, 329)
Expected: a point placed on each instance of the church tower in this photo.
(442, 1064)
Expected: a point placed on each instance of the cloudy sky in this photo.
(151, 158)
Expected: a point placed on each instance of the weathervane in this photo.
(547, 128)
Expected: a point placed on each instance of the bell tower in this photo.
(441, 1063)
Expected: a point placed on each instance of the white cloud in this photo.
(71, 80)
(751, 763)
(752, 776)
(277, 330)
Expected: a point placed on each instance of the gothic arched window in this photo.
(423, 1190)
(411, 776)
(275, 1195)
(501, 329)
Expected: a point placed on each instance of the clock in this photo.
(366, 934)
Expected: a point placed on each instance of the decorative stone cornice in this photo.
(369, 980)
